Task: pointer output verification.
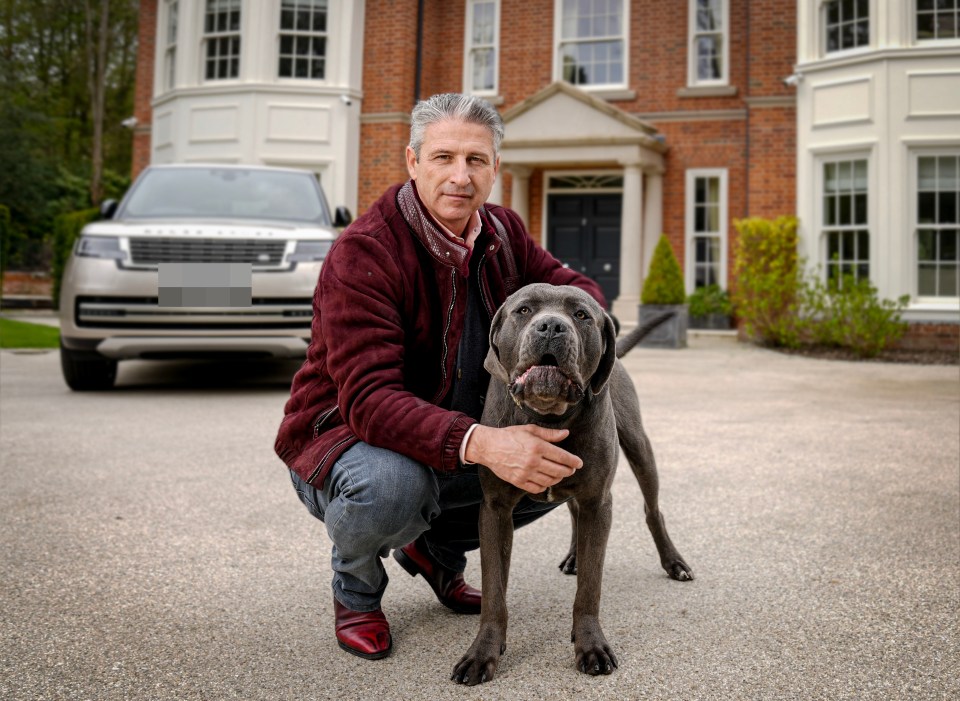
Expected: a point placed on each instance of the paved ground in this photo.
(152, 547)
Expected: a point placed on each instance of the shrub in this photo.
(851, 316)
(66, 230)
(664, 283)
(710, 299)
(766, 295)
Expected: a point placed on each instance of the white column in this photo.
(624, 307)
(496, 194)
(520, 192)
(652, 221)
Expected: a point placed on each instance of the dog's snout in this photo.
(552, 326)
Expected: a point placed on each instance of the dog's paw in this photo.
(569, 563)
(680, 571)
(479, 665)
(596, 658)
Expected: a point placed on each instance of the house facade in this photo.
(624, 119)
(878, 159)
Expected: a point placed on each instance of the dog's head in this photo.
(550, 344)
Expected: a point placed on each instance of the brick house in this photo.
(624, 119)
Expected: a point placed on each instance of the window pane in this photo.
(830, 177)
(713, 218)
(845, 176)
(948, 246)
(833, 246)
(947, 209)
(848, 251)
(860, 209)
(830, 211)
(286, 68)
(927, 280)
(947, 172)
(846, 216)
(863, 245)
(927, 208)
(926, 245)
(928, 173)
(860, 175)
(948, 281)
(926, 24)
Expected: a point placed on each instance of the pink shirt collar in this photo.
(473, 230)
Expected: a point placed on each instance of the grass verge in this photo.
(22, 334)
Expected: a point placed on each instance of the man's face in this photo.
(456, 171)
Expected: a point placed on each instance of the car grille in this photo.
(145, 313)
(155, 250)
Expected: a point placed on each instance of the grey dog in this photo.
(554, 362)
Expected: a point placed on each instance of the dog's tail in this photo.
(626, 343)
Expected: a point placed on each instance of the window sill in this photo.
(609, 94)
(495, 100)
(707, 91)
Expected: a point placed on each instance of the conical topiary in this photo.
(664, 283)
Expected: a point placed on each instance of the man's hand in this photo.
(524, 456)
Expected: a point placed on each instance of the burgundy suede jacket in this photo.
(388, 313)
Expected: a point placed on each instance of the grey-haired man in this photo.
(380, 432)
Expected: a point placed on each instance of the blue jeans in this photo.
(374, 500)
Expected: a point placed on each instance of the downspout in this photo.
(747, 102)
(418, 76)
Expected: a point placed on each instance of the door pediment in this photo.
(562, 115)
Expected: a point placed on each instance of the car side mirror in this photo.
(342, 217)
(107, 209)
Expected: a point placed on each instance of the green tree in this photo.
(47, 125)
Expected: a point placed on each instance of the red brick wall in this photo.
(143, 93)
(756, 145)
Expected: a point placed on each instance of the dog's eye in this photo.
(582, 315)
(523, 310)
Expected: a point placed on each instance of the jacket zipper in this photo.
(446, 349)
(322, 418)
(323, 460)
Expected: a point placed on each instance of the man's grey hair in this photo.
(466, 108)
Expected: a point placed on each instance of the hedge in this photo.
(66, 230)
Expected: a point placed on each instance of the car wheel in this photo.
(87, 371)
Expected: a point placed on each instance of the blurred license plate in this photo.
(205, 284)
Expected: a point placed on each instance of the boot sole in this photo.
(366, 655)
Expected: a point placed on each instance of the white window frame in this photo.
(310, 35)
(915, 226)
(690, 257)
(824, 15)
(469, 47)
(558, 41)
(206, 37)
(823, 229)
(171, 27)
(693, 78)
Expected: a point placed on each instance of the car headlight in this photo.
(310, 251)
(100, 247)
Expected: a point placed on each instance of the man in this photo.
(380, 432)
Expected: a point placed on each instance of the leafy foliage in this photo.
(781, 305)
(710, 299)
(46, 125)
(765, 264)
(664, 283)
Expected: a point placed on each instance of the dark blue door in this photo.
(583, 232)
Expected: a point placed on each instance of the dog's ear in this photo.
(609, 357)
(492, 362)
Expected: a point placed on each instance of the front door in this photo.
(583, 232)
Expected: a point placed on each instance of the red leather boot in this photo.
(365, 634)
(451, 590)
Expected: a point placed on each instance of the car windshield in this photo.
(225, 193)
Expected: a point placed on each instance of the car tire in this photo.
(87, 371)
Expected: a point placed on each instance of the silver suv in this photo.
(196, 261)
